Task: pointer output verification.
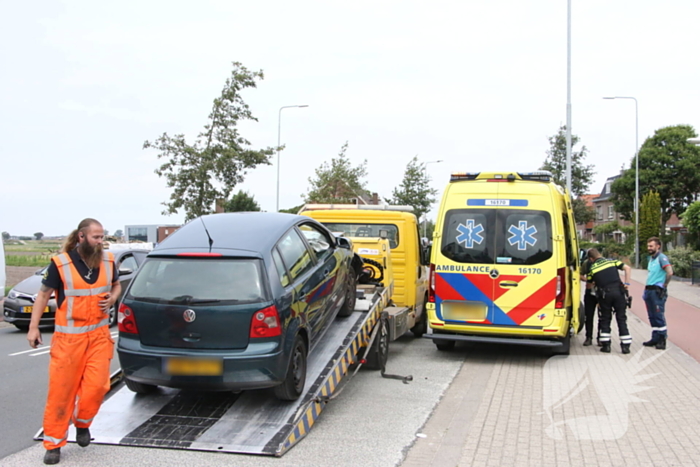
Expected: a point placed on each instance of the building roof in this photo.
(605, 193)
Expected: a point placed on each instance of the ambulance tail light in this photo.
(265, 323)
(126, 320)
(561, 288)
(431, 284)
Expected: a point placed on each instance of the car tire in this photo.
(444, 346)
(350, 296)
(379, 352)
(295, 379)
(421, 327)
(139, 388)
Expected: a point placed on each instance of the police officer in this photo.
(590, 302)
(611, 296)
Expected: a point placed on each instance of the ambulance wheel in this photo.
(444, 345)
(379, 352)
(139, 388)
(294, 382)
(422, 325)
(566, 346)
(581, 317)
(350, 297)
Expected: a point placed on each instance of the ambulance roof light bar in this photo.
(538, 175)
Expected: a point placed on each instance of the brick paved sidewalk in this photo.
(494, 411)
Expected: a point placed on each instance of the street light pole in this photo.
(636, 177)
(279, 132)
(425, 217)
(568, 97)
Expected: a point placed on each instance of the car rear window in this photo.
(195, 280)
(366, 230)
(497, 236)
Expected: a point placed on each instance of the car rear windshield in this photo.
(366, 230)
(198, 281)
(497, 236)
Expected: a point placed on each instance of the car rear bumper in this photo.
(548, 342)
(261, 365)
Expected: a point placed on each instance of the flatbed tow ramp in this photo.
(251, 422)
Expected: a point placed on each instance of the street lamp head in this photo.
(608, 98)
(305, 105)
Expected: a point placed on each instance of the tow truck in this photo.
(255, 422)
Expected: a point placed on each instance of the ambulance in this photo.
(504, 263)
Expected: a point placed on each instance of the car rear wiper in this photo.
(190, 300)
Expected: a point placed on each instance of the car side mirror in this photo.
(343, 242)
(425, 260)
(125, 271)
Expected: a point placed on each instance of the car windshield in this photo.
(366, 230)
(196, 281)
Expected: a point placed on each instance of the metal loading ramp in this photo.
(251, 422)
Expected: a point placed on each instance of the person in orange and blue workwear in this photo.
(86, 284)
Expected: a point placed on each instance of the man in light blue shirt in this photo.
(656, 292)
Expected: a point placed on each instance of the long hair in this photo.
(71, 240)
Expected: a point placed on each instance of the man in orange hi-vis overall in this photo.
(86, 284)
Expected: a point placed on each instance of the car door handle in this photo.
(508, 284)
(326, 272)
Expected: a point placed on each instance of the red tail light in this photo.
(265, 323)
(431, 284)
(126, 320)
(561, 288)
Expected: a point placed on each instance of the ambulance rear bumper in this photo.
(496, 340)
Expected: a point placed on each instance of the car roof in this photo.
(236, 233)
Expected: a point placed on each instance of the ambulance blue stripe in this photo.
(469, 291)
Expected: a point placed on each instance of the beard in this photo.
(92, 255)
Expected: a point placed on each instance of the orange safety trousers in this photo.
(81, 352)
(78, 382)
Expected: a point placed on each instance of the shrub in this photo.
(682, 259)
(27, 260)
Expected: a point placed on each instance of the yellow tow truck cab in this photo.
(408, 259)
(504, 262)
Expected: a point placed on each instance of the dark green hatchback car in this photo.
(234, 301)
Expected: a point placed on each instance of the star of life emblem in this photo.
(470, 234)
(522, 235)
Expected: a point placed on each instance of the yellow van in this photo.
(504, 262)
(408, 260)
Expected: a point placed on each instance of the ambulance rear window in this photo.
(497, 236)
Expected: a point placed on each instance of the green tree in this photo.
(210, 168)
(6, 236)
(38, 235)
(292, 210)
(414, 189)
(338, 182)
(581, 175)
(668, 164)
(119, 233)
(691, 220)
(649, 217)
(241, 202)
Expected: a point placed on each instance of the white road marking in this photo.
(40, 353)
(25, 351)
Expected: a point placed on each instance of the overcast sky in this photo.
(478, 84)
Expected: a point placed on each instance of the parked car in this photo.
(18, 304)
(234, 301)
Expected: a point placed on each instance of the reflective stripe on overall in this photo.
(81, 351)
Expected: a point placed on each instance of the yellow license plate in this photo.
(194, 367)
(28, 309)
(464, 311)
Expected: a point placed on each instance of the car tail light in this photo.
(561, 288)
(265, 323)
(126, 320)
(431, 284)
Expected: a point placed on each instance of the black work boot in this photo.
(650, 343)
(52, 456)
(661, 345)
(82, 437)
(588, 342)
(597, 340)
(605, 347)
(625, 348)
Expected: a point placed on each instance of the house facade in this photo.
(605, 213)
